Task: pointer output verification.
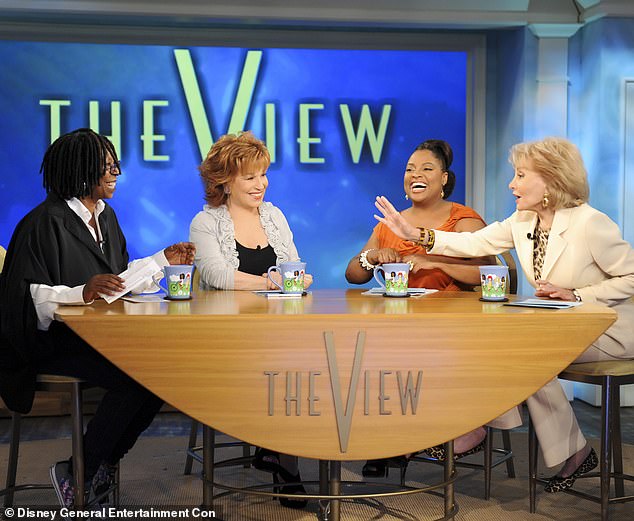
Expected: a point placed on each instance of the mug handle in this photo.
(268, 272)
(376, 271)
(160, 285)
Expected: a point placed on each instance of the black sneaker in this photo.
(63, 483)
(103, 481)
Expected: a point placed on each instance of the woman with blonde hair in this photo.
(568, 251)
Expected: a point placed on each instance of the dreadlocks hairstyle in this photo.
(442, 151)
(74, 163)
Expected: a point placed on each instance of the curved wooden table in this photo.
(337, 375)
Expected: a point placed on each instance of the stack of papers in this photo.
(543, 303)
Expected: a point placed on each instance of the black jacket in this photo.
(50, 245)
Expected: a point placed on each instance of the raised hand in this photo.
(394, 220)
(180, 253)
(103, 284)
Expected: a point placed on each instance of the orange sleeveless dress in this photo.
(431, 279)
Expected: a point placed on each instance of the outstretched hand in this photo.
(103, 284)
(394, 220)
(180, 253)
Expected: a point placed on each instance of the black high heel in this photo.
(375, 468)
(292, 485)
(267, 461)
(380, 468)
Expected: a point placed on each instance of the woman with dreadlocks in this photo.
(68, 250)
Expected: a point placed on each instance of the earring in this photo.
(545, 200)
(406, 197)
(227, 190)
(442, 193)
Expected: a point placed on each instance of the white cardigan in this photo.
(213, 234)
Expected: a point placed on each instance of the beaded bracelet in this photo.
(363, 260)
(427, 238)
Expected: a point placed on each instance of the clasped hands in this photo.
(416, 261)
(308, 280)
(546, 289)
(109, 283)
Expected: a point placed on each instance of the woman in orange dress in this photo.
(428, 183)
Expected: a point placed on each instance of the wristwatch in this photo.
(576, 294)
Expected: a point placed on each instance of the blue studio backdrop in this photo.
(340, 125)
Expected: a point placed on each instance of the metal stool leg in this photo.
(532, 466)
(14, 449)
(193, 436)
(246, 454)
(617, 448)
(506, 443)
(116, 491)
(78, 444)
(604, 460)
(488, 459)
(209, 450)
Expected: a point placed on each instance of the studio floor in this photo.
(152, 475)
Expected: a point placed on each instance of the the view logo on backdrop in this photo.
(339, 123)
(363, 131)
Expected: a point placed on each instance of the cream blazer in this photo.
(585, 252)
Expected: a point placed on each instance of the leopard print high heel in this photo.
(559, 483)
(438, 451)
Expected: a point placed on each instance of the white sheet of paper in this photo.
(132, 277)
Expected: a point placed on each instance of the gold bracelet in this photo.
(427, 238)
(431, 241)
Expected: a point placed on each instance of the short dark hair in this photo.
(74, 163)
(442, 151)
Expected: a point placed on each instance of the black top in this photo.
(255, 261)
(51, 246)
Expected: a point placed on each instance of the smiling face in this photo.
(247, 189)
(424, 177)
(108, 181)
(528, 186)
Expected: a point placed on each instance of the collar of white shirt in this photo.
(84, 214)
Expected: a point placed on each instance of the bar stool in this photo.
(53, 383)
(193, 451)
(505, 452)
(610, 375)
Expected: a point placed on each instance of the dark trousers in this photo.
(125, 411)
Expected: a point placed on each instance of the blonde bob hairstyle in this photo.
(559, 163)
(230, 156)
